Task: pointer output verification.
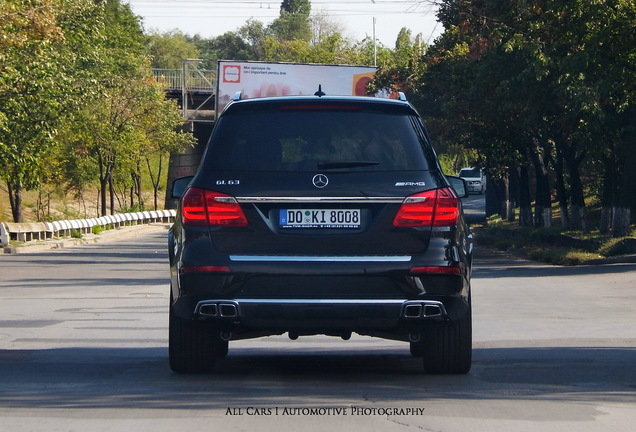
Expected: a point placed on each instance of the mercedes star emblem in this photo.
(320, 181)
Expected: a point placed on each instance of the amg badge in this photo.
(403, 184)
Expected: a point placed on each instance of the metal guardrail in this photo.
(41, 231)
(197, 80)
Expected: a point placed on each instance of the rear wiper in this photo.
(346, 164)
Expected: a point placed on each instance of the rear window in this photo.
(469, 172)
(310, 140)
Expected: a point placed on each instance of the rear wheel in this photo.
(447, 348)
(192, 345)
(418, 348)
(222, 348)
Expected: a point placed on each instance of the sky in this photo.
(210, 18)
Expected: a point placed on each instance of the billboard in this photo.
(260, 79)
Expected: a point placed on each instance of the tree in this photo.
(294, 22)
(230, 45)
(167, 50)
(299, 7)
(114, 128)
(403, 67)
(323, 27)
(162, 136)
(588, 56)
(246, 43)
(253, 33)
(24, 22)
(42, 54)
(120, 133)
(326, 45)
(547, 83)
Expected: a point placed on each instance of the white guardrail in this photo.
(40, 231)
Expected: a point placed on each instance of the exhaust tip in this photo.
(423, 309)
(432, 311)
(217, 309)
(209, 309)
(228, 310)
(413, 310)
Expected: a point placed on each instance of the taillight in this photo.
(436, 270)
(438, 207)
(204, 269)
(204, 207)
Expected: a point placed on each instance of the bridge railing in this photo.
(196, 80)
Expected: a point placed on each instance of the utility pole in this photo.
(375, 46)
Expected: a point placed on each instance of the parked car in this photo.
(475, 179)
(320, 215)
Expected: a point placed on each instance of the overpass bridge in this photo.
(193, 88)
(195, 91)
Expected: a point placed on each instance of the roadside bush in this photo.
(613, 247)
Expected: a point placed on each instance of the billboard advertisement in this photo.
(260, 79)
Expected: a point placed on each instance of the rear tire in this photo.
(418, 348)
(448, 347)
(192, 345)
(222, 348)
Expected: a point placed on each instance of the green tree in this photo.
(246, 43)
(300, 7)
(127, 120)
(293, 22)
(167, 50)
(253, 33)
(403, 67)
(230, 46)
(39, 83)
(547, 84)
(162, 136)
(109, 117)
(113, 131)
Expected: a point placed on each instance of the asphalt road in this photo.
(83, 347)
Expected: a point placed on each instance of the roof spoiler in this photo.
(401, 96)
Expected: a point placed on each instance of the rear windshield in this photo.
(308, 140)
(469, 172)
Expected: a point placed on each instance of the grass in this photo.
(560, 255)
(59, 204)
(554, 244)
(97, 229)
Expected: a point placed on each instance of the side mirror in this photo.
(179, 186)
(459, 185)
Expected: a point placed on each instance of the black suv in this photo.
(320, 215)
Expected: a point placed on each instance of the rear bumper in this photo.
(474, 187)
(400, 319)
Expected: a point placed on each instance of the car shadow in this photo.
(141, 378)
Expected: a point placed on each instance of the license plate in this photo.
(320, 218)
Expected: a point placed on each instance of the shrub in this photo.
(613, 247)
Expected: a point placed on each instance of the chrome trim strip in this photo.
(292, 258)
(321, 301)
(324, 200)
